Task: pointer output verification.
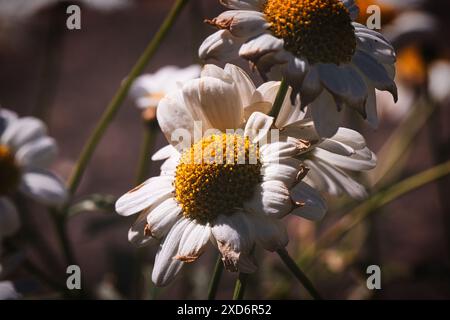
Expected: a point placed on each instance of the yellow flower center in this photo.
(320, 30)
(216, 175)
(9, 171)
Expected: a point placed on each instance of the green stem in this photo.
(281, 95)
(120, 96)
(214, 284)
(290, 263)
(60, 224)
(148, 142)
(376, 201)
(239, 288)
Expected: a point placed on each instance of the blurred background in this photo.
(67, 77)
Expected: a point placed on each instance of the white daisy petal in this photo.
(22, 131)
(166, 267)
(258, 126)
(350, 137)
(263, 107)
(371, 107)
(43, 186)
(6, 118)
(164, 153)
(8, 291)
(137, 234)
(325, 114)
(310, 204)
(311, 87)
(285, 171)
(143, 196)
(254, 49)
(270, 233)
(220, 102)
(344, 162)
(243, 4)
(344, 83)
(274, 152)
(234, 237)
(271, 198)
(337, 147)
(244, 84)
(169, 167)
(193, 242)
(172, 115)
(342, 181)
(9, 218)
(163, 217)
(380, 50)
(220, 45)
(375, 72)
(242, 23)
(37, 153)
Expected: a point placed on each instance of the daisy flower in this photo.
(316, 46)
(235, 205)
(148, 89)
(25, 153)
(330, 162)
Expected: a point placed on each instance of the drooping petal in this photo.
(274, 152)
(375, 72)
(235, 239)
(43, 186)
(325, 115)
(166, 267)
(286, 171)
(161, 219)
(338, 181)
(22, 131)
(310, 204)
(37, 153)
(220, 45)
(271, 198)
(137, 234)
(258, 126)
(193, 242)
(270, 233)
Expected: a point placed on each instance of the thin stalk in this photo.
(120, 96)
(298, 273)
(281, 95)
(214, 284)
(239, 288)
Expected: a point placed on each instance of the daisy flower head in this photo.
(148, 89)
(230, 184)
(25, 154)
(316, 46)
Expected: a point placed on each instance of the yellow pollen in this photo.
(319, 30)
(9, 171)
(216, 175)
